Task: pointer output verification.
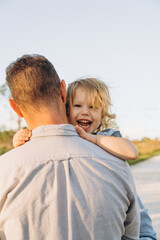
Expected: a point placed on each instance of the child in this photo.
(87, 105)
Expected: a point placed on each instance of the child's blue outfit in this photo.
(146, 229)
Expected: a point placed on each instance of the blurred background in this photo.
(115, 41)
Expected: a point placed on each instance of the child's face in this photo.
(82, 112)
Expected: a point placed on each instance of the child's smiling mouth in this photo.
(84, 123)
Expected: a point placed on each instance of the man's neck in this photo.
(45, 117)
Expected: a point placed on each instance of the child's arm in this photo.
(120, 147)
(21, 137)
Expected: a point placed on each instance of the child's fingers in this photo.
(23, 134)
(21, 137)
(80, 131)
(30, 133)
(18, 143)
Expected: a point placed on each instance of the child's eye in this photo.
(91, 107)
(77, 105)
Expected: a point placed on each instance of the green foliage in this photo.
(145, 139)
(6, 135)
(3, 150)
(6, 141)
(3, 89)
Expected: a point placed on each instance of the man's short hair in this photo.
(33, 80)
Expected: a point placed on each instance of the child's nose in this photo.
(85, 112)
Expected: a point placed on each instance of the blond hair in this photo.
(98, 93)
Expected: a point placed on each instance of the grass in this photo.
(147, 148)
(144, 156)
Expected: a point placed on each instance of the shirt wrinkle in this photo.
(67, 188)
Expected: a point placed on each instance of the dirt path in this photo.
(147, 179)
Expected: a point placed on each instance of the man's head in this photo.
(33, 81)
(35, 87)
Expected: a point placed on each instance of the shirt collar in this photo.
(54, 130)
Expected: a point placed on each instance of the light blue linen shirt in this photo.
(60, 186)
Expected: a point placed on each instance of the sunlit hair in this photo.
(33, 80)
(98, 93)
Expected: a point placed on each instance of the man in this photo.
(57, 185)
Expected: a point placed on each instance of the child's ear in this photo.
(15, 107)
(63, 90)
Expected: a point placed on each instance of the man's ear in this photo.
(63, 90)
(15, 107)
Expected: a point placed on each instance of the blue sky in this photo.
(116, 41)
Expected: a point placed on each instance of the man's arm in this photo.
(132, 222)
(8, 181)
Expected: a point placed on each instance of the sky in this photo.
(115, 41)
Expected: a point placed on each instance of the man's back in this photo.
(59, 186)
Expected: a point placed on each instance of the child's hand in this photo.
(88, 136)
(21, 137)
(81, 132)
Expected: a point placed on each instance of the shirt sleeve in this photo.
(146, 229)
(110, 132)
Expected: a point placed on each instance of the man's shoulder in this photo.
(14, 157)
(8, 154)
(87, 148)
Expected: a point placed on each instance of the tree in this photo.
(3, 89)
